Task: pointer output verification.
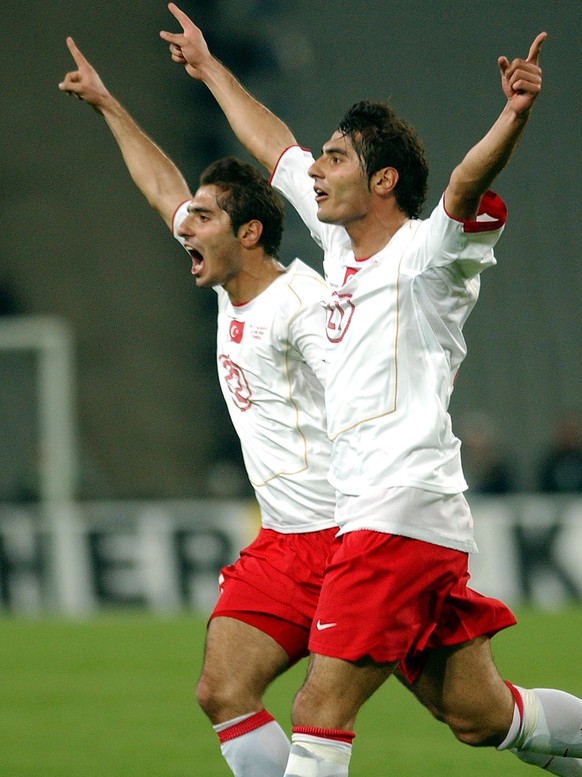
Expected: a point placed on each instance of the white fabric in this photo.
(395, 344)
(262, 752)
(549, 733)
(271, 365)
(317, 757)
(555, 764)
(442, 519)
(552, 723)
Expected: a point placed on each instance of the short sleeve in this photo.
(444, 241)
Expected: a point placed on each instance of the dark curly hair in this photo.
(246, 195)
(382, 139)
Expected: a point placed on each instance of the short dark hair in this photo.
(382, 139)
(246, 195)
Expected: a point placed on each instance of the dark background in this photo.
(78, 241)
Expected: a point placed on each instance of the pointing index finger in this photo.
(179, 15)
(535, 48)
(75, 52)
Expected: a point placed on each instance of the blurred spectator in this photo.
(560, 469)
(486, 467)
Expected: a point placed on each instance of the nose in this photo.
(315, 170)
(186, 227)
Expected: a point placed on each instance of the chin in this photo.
(324, 217)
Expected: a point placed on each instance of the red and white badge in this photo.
(235, 331)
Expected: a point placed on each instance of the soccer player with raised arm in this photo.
(395, 598)
(270, 359)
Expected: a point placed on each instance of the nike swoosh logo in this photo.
(322, 626)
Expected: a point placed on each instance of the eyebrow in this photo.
(198, 209)
(334, 150)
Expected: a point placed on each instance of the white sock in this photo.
(319, 756)
(254, 745)
(550, 722)
(555, 764)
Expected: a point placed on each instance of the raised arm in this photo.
(152, 171)
(262, 133)
(521, 81)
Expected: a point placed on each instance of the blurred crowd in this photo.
(490, 468)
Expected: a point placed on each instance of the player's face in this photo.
(341, 186)
(209, 239)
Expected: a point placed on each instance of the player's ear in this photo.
(250, 233)
(384, 180)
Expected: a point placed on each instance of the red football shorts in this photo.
(274, 585)
(393, 598)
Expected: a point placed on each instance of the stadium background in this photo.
(77, 240)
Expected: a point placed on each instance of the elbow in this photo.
(463, 196)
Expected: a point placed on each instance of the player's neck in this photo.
(373, 233)
(253, 280)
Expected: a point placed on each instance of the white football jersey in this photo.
(271, 366)
(394, 339)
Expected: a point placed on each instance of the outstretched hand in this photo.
(84, 83)
(521, 79)
(188, 47)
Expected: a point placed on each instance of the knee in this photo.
(301, 707)
(475, 731)
(222, 698)
(214, 699)
(476, 736)
(315, 708)
(206, 696)
(480, 731)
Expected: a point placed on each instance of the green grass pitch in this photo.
(114, 695)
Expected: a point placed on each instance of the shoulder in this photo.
(304, 281)
(180, 214)
(292, 159)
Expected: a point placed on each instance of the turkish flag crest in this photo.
(236, 330)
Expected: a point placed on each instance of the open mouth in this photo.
(197, 260)
(320, 195)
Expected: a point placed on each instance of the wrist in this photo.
(107, 104)
(209, 70)
(517, 115)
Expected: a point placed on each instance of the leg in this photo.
(546, 722)
(260, 626)
(334, 690)
(461, 686)
(324, 713)
(239, 663)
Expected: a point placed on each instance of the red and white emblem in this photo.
(236, 382)
(339, 316)
(235, 331)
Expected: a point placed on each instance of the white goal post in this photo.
(50, 340)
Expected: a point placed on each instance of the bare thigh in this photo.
(240, 662)
(461, 686)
